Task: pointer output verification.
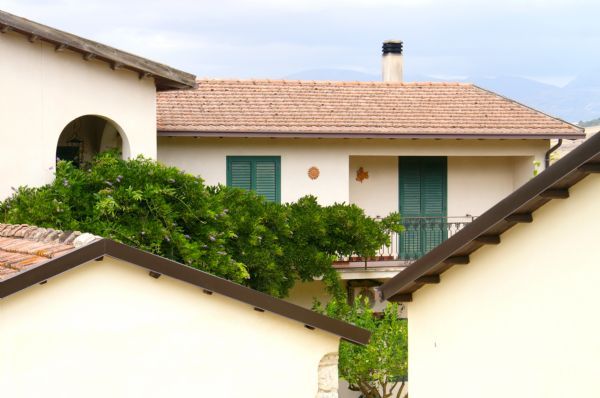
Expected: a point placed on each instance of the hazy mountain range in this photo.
(578, 101)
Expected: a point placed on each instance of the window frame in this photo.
(253, 160)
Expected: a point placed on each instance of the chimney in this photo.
(392, 61)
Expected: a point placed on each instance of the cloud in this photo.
(272, 38)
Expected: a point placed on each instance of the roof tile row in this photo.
(23, 246)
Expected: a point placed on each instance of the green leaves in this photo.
(380, 367)
(229, 232)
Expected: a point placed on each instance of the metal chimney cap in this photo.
(392, 47)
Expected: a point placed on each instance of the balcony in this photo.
(420, 235)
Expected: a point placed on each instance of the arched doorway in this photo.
(85, 137)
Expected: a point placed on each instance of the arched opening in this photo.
(86, 136)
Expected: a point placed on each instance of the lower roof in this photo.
(298, 109)
(552, 184)
(25, 246)
(49, 265)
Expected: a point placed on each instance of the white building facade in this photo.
(519, 305)
(68, 97)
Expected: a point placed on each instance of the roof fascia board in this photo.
(152, 262)
(48, 269)
(509, 205)
(165, 76)
(235, 291)
(359, 135)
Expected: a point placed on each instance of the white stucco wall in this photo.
(43, 90)
(487, 166)
(207, 158)
(107, 329)
(477, 183)
(304, 293)
(521, 317)
(336, 160)
(378, 194)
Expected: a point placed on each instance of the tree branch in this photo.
(401, 389)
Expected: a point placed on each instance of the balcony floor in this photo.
(379, 269)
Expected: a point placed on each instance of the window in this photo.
(423, 199)
(257, 173)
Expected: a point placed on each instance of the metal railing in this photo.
(420, 235)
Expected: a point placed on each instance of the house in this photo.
(68, 97)
(509, 303)
(83, 316)
(439, 153)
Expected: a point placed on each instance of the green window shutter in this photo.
(433, 186)
(266, 180)
(410, 186)
(433, 202)
(423, 204)
(239, 174)
(258, 173)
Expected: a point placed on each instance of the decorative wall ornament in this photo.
(361, 175)
(313, 173)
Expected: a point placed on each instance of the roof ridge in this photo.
(23, 246)
(330, 82)
(45, 235)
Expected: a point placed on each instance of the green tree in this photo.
(379, 369)
(228, 232)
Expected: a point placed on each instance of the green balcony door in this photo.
(257, 173)
(423, 204)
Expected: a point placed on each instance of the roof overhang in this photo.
(165, 77)
(367, 135)
(162, 266)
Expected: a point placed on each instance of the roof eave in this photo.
(358, 135)
(166, 78)
(209, 283)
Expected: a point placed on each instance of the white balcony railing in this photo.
(420, 235)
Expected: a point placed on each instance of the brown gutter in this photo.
(165, 76)
(359, 135)
(162, 266)
(552, 183)
(549, 153)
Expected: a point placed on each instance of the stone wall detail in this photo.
(328, 376)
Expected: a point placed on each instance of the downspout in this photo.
(549, 152)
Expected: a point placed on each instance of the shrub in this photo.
(380, 368)
(228, 232)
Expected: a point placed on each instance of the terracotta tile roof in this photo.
(353, 109)
(23, 246)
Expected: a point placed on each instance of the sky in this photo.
(551, 41)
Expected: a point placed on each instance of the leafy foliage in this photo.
(380, 368)
(225, 231)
